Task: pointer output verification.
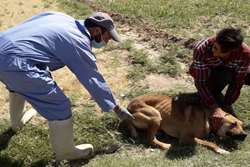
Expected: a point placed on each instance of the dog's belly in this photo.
(171, 128)
(171, 132)
(177, 128)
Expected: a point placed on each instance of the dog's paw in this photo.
(165, 146)
(222, 151)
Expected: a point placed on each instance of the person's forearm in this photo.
(232, 94)
(205, 94)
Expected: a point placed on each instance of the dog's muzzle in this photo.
(240, 137)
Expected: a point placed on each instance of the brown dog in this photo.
(182, 117)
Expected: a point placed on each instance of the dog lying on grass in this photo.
(182, 117)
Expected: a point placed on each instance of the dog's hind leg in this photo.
(151, 134)
(211, 146)
(149, 119)
(152, 138)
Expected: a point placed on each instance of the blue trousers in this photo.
(39, 89)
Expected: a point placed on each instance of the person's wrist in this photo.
(218, 112)
(214, 107)
(117, 109)
(227, 106)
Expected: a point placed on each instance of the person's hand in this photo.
(123, 113)
(217, 113)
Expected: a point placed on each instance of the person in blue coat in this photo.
(46, 42)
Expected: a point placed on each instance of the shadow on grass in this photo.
(247, 127)
(5, 138)
(73, 163)
(64, 163)
(99, 151)
(227, 143)
(41, 163)
(9, 162)
(4, 142)
(78, 163)
(177, 151)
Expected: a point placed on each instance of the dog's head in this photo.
(231, 127)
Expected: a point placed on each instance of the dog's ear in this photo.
(216, 123)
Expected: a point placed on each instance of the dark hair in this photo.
(229, 38)
(88, 24)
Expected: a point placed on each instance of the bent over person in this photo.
(47, 42)
(218, 62)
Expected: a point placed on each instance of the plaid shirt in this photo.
(204, 61)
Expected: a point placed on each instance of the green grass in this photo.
(141, 65)
(134, 91)
(168, 64)
(192, 18)
(195, 158)
(141, 156)
(178, 13)
(242, 105)
(27, 147)
(124, 45)
(75, 8)
(31, 146)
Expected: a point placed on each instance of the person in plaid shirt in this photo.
(217, 62)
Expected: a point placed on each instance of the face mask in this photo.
(98, 44)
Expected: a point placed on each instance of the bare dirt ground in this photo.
(15, 11)
(153, 41)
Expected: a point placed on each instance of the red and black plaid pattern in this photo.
(204, 61)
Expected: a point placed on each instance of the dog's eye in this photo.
(233, 125)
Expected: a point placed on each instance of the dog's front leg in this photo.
(211, 146)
